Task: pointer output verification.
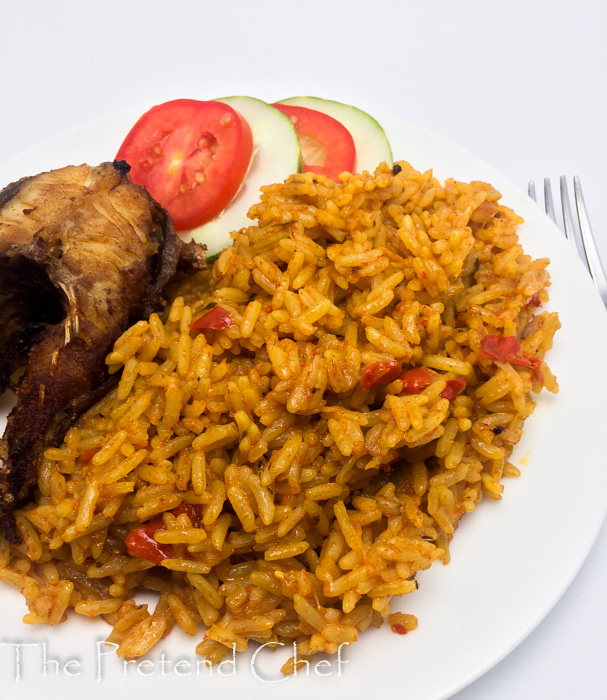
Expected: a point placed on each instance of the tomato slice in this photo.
(191, 156)
(327, 147)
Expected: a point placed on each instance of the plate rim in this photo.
(535, 221)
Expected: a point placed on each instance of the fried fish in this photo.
(84, 253)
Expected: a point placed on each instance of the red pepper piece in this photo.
(141, 542)
(534, 300)
(508, 349)
(217, 318)
(496, 347)
(194, 513)
(380, 373)
(534, 364)
(416, 380)
(87, 455)
(399, 629)
(453, 388)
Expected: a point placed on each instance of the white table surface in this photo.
(521, 84)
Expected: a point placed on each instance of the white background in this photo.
(521, 84)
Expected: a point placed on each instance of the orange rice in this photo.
(298, 488)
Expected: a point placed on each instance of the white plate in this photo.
(511, 561)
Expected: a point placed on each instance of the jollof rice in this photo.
(300, 477)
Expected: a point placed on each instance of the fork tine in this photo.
(567, 218)
(590, 249)
(548, 199)
(548, 202)
(572, 235)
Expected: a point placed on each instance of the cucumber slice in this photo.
(370, 140)
(211, 258)
(276, 155)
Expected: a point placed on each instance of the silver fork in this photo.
(582, 242)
